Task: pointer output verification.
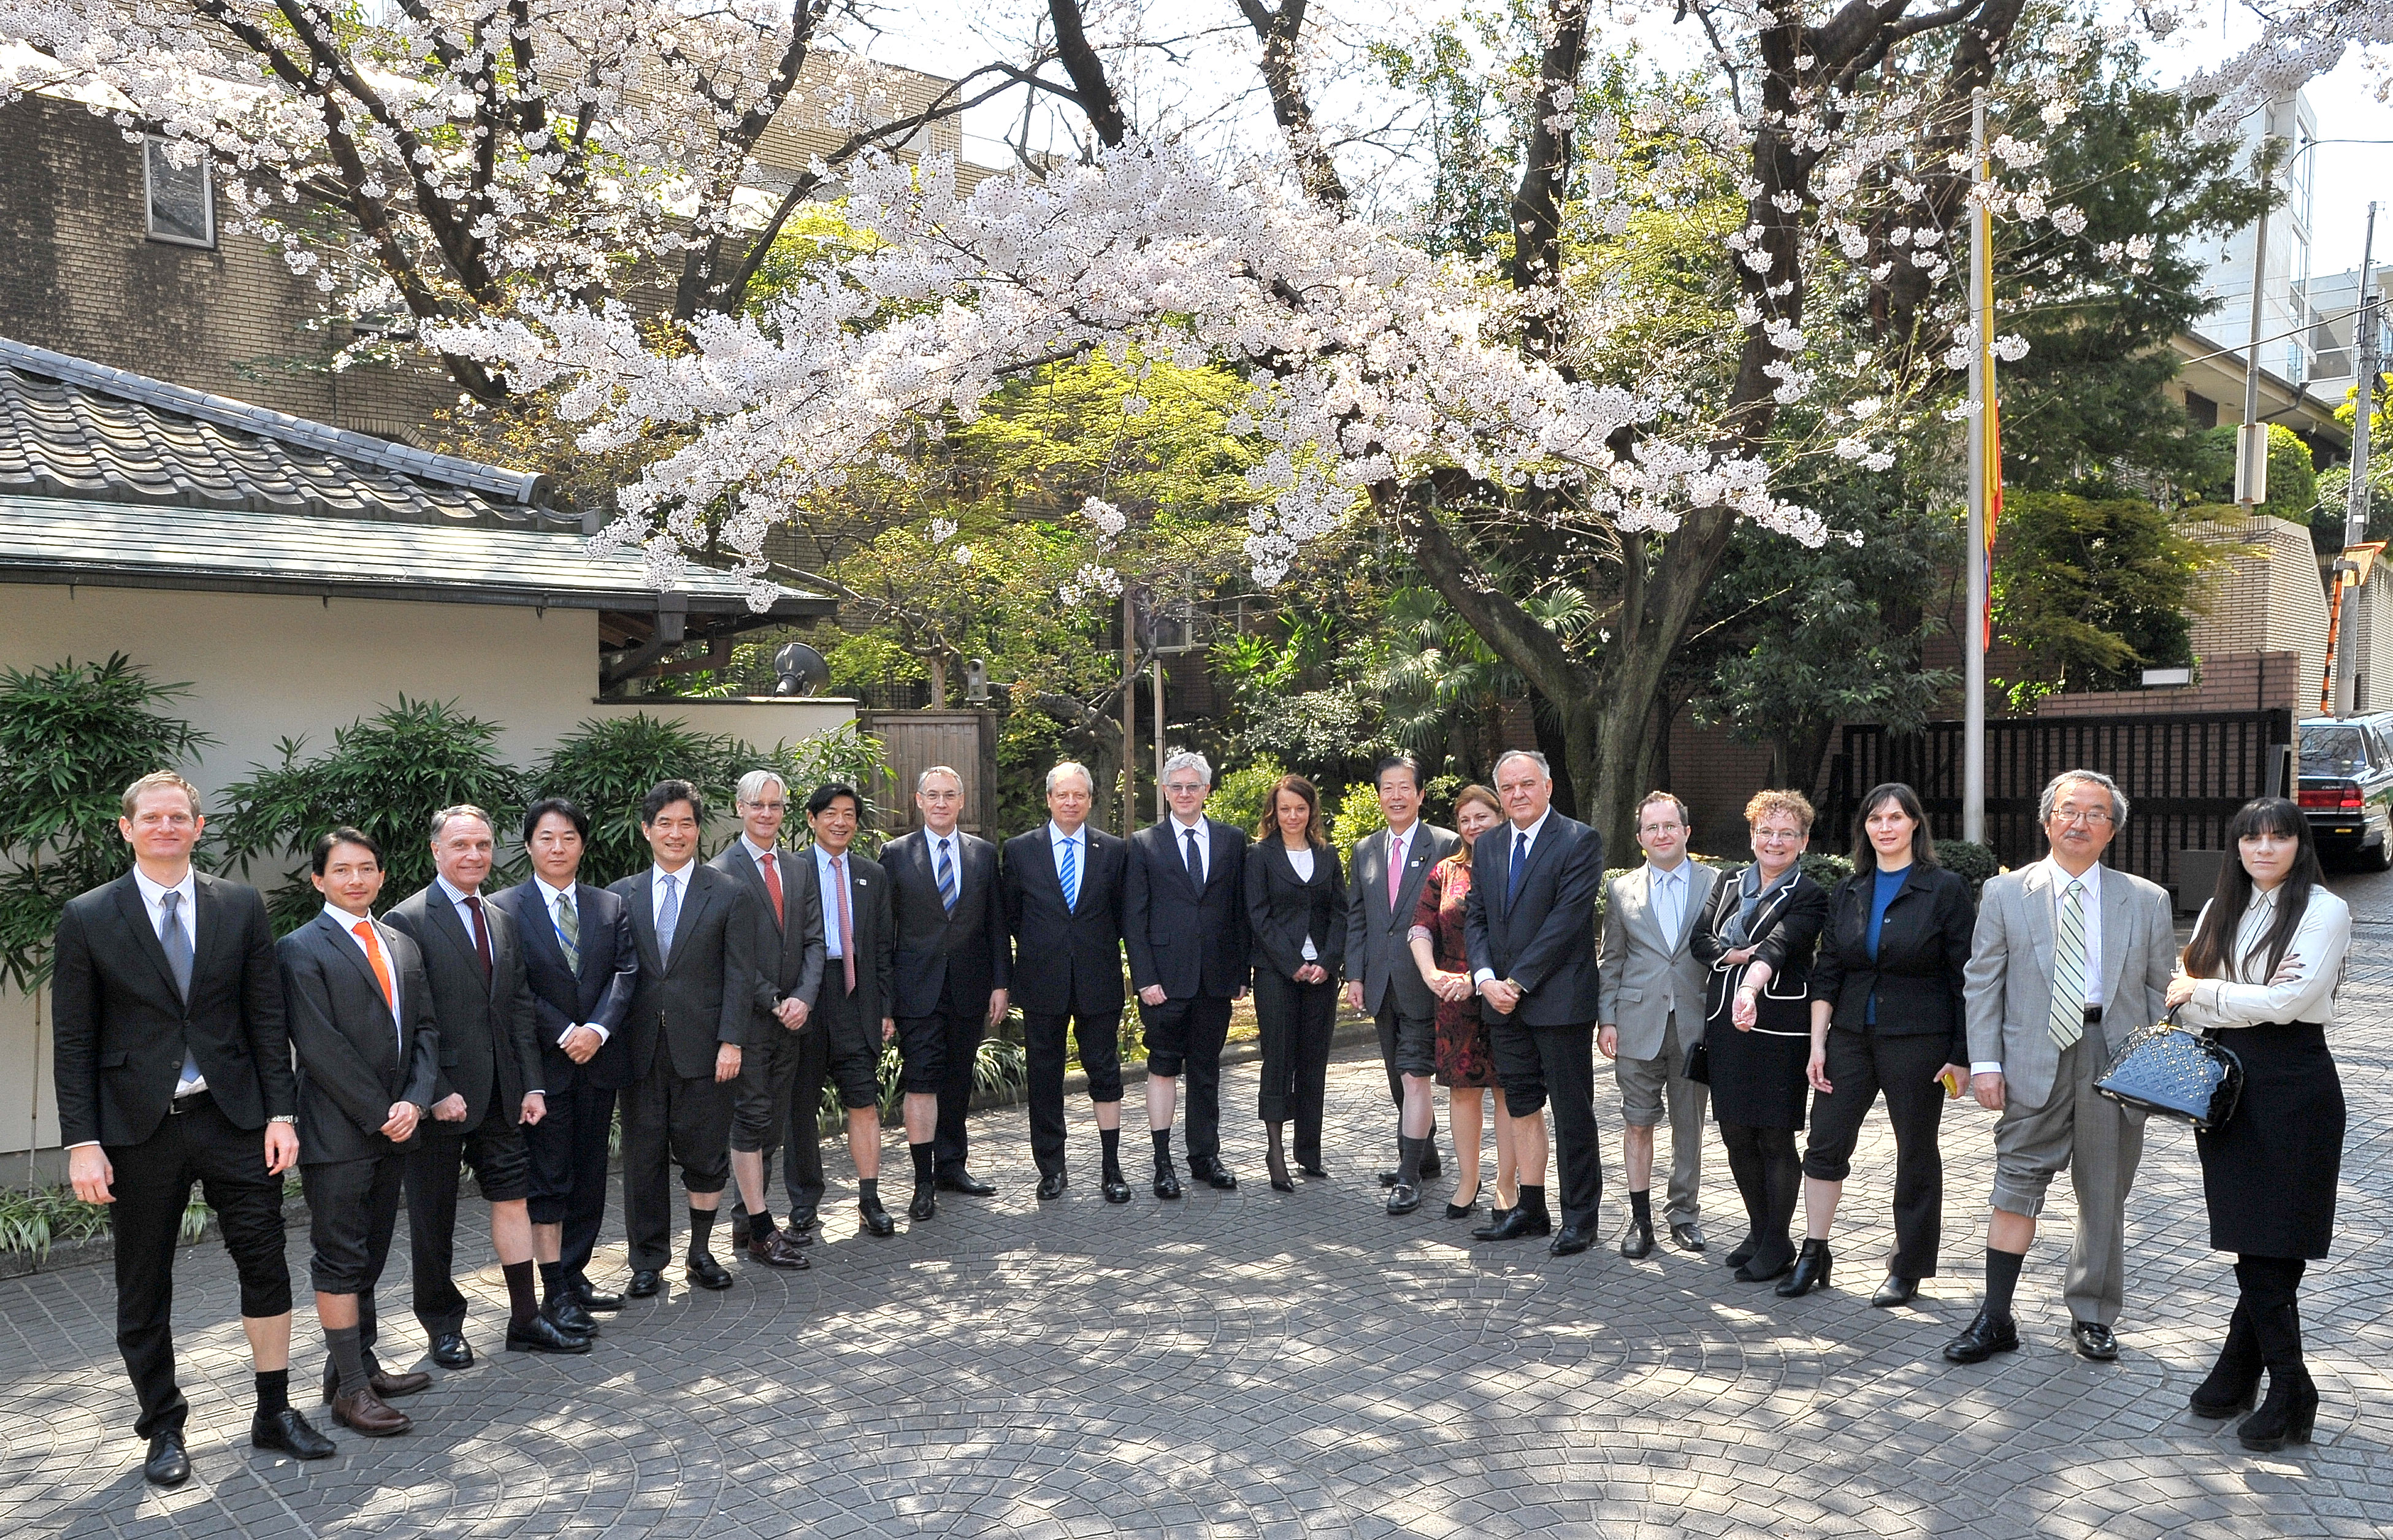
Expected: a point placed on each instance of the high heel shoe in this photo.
(1463, 1210)
(2233, 1383)
(1810, 1269)
(2291, 1411)
(1276, 1159)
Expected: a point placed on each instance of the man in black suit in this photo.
(491, 1087)
(368, 1051)
(782, 1050)
(1383, 887)
(696, 1002)
(173, 1065)
(583, 968)
(1063, 886)
(1185, 917)
(1530, 928)
(952, 970)
(852, 1005)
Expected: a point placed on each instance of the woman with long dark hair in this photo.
(1885, 1015)
(2262, 971)
(1296, 909)
(1465, 1064)
(1756, 934)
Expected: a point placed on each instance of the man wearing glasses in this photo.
(2069, 957)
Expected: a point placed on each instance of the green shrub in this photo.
(1972, 862)
(1238, 798)
(1826, 869)
(1357, 814)
(608, 764)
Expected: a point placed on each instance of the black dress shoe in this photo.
(596, 1299)
(540, 1335)
(451, 1351)
(963, 1181)
(168, 1464)
(1686, 1237)
(1896, 1290)
(1637, 1242)
(800, 1227)
(2094, 1341)
(1571, 1239)
(1813, 1265)
(290, 1432)
(570, 1317)
(1052, 1184)
(1313, 1168)
(1987, 1335)
(876, 1221)
(644, 1284)
(706, 1273)
(1167, 1182)
(924, 1206)
(1515, 1224)
(1762, 1267)
(1389, 1179)
(1214, 1174)
(1403, 1198)
(1116, 1187)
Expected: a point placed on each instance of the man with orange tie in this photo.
(361, 1017)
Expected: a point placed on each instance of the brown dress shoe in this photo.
(366, 1414)
(778, 1250)
(385, 1383)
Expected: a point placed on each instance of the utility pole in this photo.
(1130, 712)
(1981, 390)
(2252, 438)
(2355, 507)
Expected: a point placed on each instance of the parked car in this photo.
(2346, 787)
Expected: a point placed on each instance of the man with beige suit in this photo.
(2070, 956)
(1651, 1013)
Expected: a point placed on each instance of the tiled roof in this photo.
(72, 428)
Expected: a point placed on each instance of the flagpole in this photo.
(1981, 382)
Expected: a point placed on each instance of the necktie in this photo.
(568, 931)
(846, 927)
(1195, 860)
(177, 942)
(366, 932)
(1396, 868)
(1070, 873)
(2068, 1019)
(1666, 904)
(1520, 865)
(947, 891)
(667, 917)
(770, 865)
(481, 935)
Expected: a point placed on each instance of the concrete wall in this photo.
(262, 667)
(2267, 599)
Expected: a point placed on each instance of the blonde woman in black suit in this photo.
(1296, 910)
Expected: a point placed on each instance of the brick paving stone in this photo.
(1294, 1367)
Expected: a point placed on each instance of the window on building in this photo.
(182, 196)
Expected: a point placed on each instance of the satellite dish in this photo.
(801, 671)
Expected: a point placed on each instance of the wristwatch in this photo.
(283, 1117)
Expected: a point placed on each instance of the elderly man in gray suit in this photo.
(2070, 956)
(1381, 978)
(1653, 1013)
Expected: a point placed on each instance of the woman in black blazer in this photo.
(1296, 903)
(1756, 934)
(1885, 1015)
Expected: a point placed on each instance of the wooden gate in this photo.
(913, 741)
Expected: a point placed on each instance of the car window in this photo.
(2381, 738)
(2334, 748)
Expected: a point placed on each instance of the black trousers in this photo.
(940, 1050)
(153, 1186)
(1184, 1039)
(1406, 1042)
(1537, 1065)
(1099, 1035)
(568, 1149)
(502, 1168)
(668, 1120)
(1860, 1066)
(1295, 1022)
(1768, 1177)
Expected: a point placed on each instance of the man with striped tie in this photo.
(952, 977)
(2069, 957)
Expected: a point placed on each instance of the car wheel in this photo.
(2376, 858)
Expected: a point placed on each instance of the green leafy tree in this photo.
(386, 774)
(2093, 591)
(72, 736)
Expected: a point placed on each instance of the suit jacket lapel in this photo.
(2118, 923)
(443, 915)
(137, 917)
(1699, 880)
(643, 901)
(1408, 882)
(346, 946)
(2036, 892)
(1538, 849)
(587, 904)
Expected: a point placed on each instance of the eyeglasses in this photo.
(2092, 819)
(769, 807)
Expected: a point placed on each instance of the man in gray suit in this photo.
(2070, 956)
(1381, 978)
(1653, 1013)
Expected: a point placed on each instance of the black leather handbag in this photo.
(2176, 1072)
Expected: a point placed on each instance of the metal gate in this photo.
(2184, 776)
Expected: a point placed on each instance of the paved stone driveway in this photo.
(1252, 1364)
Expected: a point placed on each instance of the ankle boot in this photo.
(2292, 1408)
(1276, 1158)
(2234, 1380)
(1810, 1269)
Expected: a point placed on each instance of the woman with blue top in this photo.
(1885, 1015)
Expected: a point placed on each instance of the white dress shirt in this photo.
(2057, 879)
(553, 898)
(153, 899)
(1056, 840)
(1302, 862)
(1525, 840)
(656, 878)
(834, 939)
(347, 924)
(1180, 832)
(2244, 997)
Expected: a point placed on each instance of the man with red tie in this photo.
(361, 1014)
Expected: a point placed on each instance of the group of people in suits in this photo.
(709, 1004)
